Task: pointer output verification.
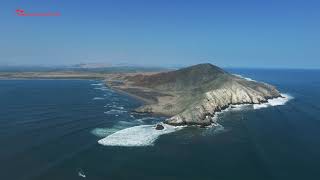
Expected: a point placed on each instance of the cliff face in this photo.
(201, 111)
(192, 95)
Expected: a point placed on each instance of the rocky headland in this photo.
(192, 95)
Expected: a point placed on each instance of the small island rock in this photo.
(159, 127)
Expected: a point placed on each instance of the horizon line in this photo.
(148, 66)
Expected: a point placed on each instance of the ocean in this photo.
(49, 130)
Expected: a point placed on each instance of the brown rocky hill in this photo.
(180, 80)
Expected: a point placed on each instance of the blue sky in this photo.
(267, 34)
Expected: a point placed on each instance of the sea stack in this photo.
(159, 127)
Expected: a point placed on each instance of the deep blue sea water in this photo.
(49, 130)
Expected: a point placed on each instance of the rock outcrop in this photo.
(159, 127)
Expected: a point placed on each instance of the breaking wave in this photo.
(271, 102)
(101, 88)
(97, 84)
(274, 102)
(114, 106)
(97, 98)
(115, 111)
(143, 135)
(213, 129)
(103, 132)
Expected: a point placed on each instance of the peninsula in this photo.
(191, 95)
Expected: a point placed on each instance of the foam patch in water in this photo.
(114, 106)
(96, 84)
(97, 98)
(238, 107)
(213, 129)
(274, 102)
(115, 111)
(143, 135)
(103, 132)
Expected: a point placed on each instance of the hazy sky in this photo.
(238, 33)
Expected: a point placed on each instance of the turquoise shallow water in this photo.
(49, 130)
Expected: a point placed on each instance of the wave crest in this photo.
(274, 102)
(97, 98)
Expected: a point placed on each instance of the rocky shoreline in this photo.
(209, 118)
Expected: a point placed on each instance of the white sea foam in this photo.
(259, 106)
(110, 105)
(274, 102)
(97, 98)
(246, 78)
(96, 84)
(238, 107)
(115, 111)
(103, 132)
(143, 135)
(114, 106)
(271, 102)
(213, 129)
(241, 107)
